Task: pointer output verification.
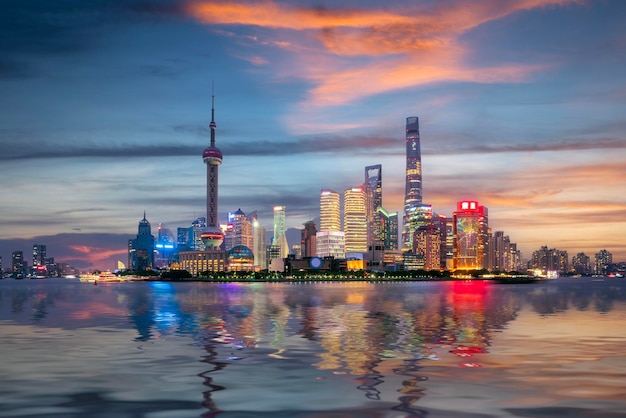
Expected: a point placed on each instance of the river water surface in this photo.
(374, 350)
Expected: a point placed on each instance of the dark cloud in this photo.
(562, 145)
(37, 28)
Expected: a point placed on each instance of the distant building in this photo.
(39, 255)
(280, 238)
(307, 239)
(141, 249)
(259, 247)
(602, 262)
(581, 264)
(18, 265)
(355, 220)
(470, 236)
(164, 246)
(548, 261)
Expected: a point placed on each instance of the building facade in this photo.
(141, 249)
(355, 220)
(427, 243)
(18, 265)
(280, 232)
(471, 228)
(307, 239)
(330, 211)
(373, 187)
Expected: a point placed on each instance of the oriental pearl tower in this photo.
(212, 236)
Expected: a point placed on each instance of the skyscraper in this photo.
(413, 188)
(18, 266)
(238, 231)
(427, 243)
(39, 255)
(280, 239)
(374, 200)
(330, 240)
(307, 239)
(259, 242)
(142, 248)
(470, 236)
(355, 220)
(330, 211)
(212, 156)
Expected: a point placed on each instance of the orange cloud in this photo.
(414, 44)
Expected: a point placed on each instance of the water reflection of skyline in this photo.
(367, 333)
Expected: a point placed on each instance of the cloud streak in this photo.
(414, 44)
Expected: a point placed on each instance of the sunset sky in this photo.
(105, 106)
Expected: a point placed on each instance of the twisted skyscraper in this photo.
(413, 190)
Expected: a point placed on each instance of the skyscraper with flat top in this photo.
(413, 189)
(374, 195)
(355, 220)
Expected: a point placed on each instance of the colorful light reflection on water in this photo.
(424, 349)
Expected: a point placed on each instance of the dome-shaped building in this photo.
(240, 258)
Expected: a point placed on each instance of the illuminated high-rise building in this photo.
(142, 248)
(279, 242)
(415, 217)
(581, 264)
(355, 220)
(330, 211)
(39, 255)
(374, 200)
(470, 236)
(259, 242)
(164, 247)
(18, 265)
(549, 262)
(238, 231)
(389, 228)
(602, 262)
(427, 243)
(330, 239)
(413, 187)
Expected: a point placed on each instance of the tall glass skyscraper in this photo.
(330, 211)
(280, 239)
(355, 220)
(413, 189)
(374, 193)
(142, 248)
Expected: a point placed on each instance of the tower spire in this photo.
(213, 125)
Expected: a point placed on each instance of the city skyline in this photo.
(106, 112)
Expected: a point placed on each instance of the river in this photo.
(375, 350)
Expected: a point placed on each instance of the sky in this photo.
(105, 106)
